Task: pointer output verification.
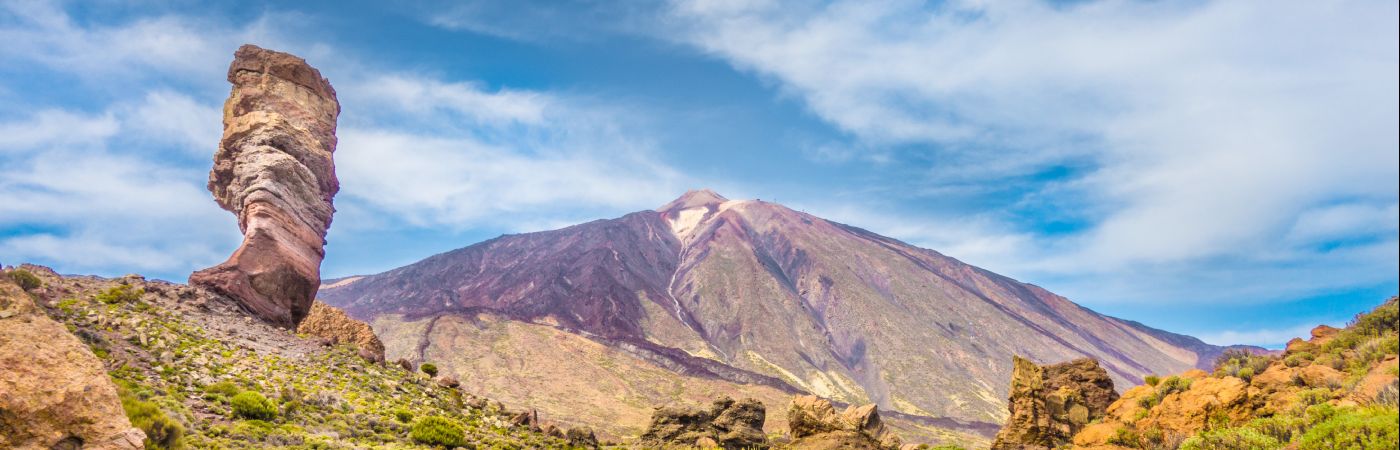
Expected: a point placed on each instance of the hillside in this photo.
(182, 357)
(750, 293)
(1336, 390)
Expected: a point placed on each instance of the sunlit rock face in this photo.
(274, 170)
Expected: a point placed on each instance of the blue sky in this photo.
(1223, 169)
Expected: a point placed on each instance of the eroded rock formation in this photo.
(53, 390)
(814, 424)
(333, 325)
(274, 170)
(727, 424)
(1049, 404)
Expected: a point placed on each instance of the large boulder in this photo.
(274, 171)
(54, 393)
(330, 323)
(727, 424)
(814, 424)
(1049, 404)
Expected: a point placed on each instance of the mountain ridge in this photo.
(820, 306)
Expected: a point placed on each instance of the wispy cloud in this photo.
(1271, 337)
(122, 189)
(1215, 136)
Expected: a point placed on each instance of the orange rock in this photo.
(1298, 345)
(1323, 333)
(1317, 375)
(54, 392)
(1378, 378)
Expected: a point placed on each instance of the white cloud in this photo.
(1270, 337)
(174, 118)
(56, 127)
(453, 155)
(1221, 136)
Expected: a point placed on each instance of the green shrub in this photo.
(1298, 359)
(225, 388)
(162, 432)
(1388, 396)
(122, 293)
(1126, 438)
(1230, 439)
(1234, 362)
(1314, 396)
(438, 431)
(252, 405)
(25, 279)
(403, 415)
(429, 368)
(1355, 429)
(1173, 384)
(1152, 380)
(1282, 428)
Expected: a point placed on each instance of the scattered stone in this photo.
(274, 170)
(448, 382)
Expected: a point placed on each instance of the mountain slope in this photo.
(783, 298)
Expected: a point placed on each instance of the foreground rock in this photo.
(333, 325)
(1335, 390)
(274, 170)
(1049, 404)
(53, 390)
(815, 425)
(727, 424)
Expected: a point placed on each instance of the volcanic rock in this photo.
(581, 437)
(727, 424)
(752, 293)
(333, 325)
(1049, 404)
(274, 170)
(54, 392)
(815, 424)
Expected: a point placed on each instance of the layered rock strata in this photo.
(274, 170)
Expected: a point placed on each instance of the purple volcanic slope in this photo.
(754, 292)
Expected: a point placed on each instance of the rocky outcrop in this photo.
(814, 424)
(335, 327)
(581, 437)
(274, 170)
(1049, 404)
(54, 392)
(727, 424)
(1306, 374)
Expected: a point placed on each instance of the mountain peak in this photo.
(694, 198)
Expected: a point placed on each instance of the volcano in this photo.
(740, 294)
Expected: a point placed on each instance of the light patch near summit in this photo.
(687, 220)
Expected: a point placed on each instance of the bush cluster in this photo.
(252, 405)
(122, 293)
(1241, 363)
(439, 431)
(25, 279)
(429, 368)
(162, 432)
